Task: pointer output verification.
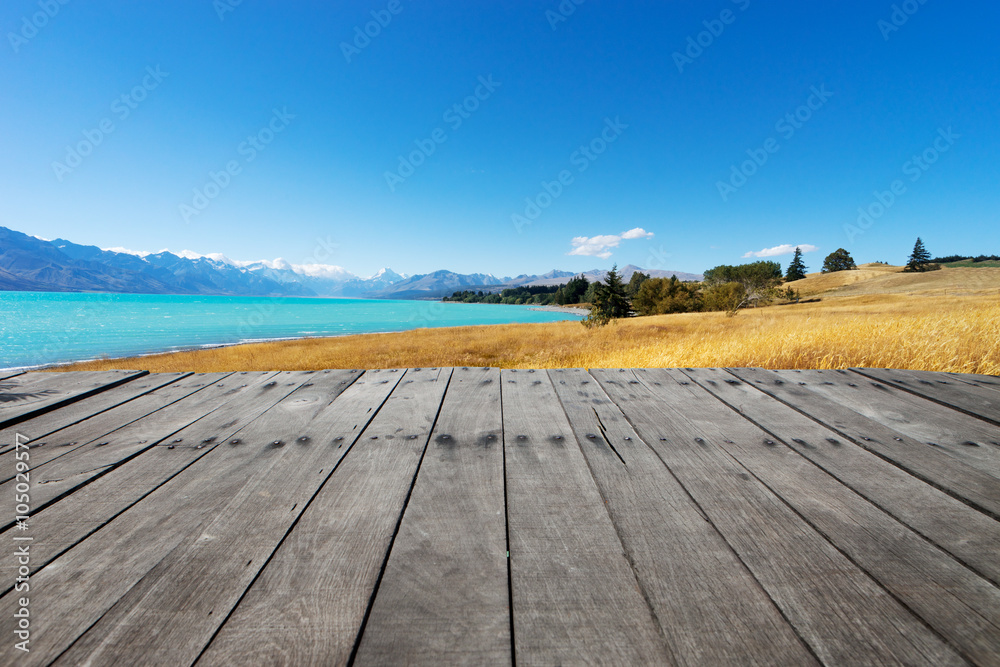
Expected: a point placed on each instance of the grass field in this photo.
(947, 320)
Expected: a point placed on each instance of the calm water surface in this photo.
(41, 328)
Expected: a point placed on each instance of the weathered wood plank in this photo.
(961, 606)
(845, 616)
(319, 584)
(575, 597)
(966, 533)
(63, 524)
(124, 558)
(963, 437)
(32, 394)
(709, 607)
(443, 597)
(59, 467)
(190, 593)
(70, 415)
(988, 381)
(978, 380)
(6, 375)
(980, 402)
(44, 449)
(949, 474)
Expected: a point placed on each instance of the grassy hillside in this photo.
(973, 265)
(945, 320)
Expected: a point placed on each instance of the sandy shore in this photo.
(572, 310)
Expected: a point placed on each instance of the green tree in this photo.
(758, 281)
(838, 260)
(660, 296)
(574, 290)
(920, 259)
(797, 269)
(638, 278)
(729, 297)
(610, 300)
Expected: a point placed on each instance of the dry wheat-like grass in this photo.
(937, 333)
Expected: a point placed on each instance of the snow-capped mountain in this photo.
(32, 263)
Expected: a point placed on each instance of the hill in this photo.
(874, 279)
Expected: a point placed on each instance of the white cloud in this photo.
(215, 256)
(637, 233)
(784, 249)
(314, 270)
(601, 246)
(126, 251)
(323, 271)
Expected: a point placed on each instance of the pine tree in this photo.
(610, 300)
(797, 269)
(920, 259)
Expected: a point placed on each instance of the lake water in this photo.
(42, 328)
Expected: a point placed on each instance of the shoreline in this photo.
(182, 348)
(571, 310)
(57, 366)
(858, 330)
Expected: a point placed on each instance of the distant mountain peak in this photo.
(31, 263)
(387, 275)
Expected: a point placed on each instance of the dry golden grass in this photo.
(937, 332)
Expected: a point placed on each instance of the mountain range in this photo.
(28, 263)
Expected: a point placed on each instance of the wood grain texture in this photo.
(844, 616)
(64, 523)
(709, 607)
(988, 381)
(123, 558)
(575, 597)
(32, 394)
(955, 433)
(925, 579)
(444, 597)
(980, 402)
(955, 477)
(308, 605)
(73, 456)
(48, 423)
(969, 535)
(677, 516)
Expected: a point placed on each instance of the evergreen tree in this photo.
(838, 260)
(920, 259)
(797, 269)
(638, 278)
(610, 300)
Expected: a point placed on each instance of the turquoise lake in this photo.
(43, 328)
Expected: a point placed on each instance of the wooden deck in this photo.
(450, 516)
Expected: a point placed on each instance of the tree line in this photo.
(728, 288)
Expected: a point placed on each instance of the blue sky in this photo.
(667, 118)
